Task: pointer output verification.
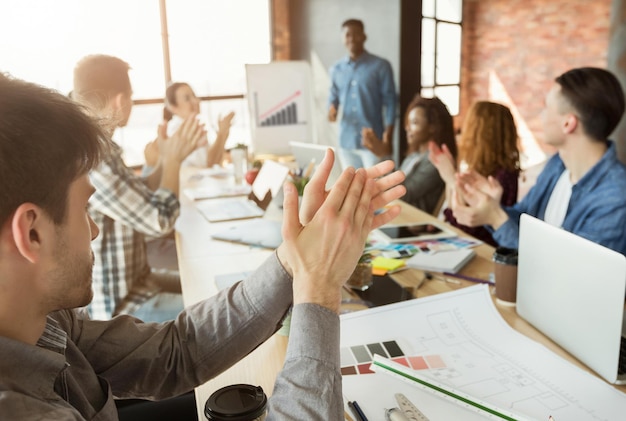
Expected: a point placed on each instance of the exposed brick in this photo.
(527, 43)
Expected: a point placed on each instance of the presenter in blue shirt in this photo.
(582, 188)
(362, 86)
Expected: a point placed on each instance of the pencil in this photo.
(309, 168)
(468, 278)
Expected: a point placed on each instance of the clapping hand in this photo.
(151, 153)
(477, 201)
(488, 185)
(189, 136)
(373, 143)
(443, 160)
(387, 188)
(322, 254)
(224, 124)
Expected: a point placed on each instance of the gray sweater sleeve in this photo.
(309, 385)
(155, 361)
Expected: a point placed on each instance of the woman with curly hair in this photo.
(426, 120)
(488, 146)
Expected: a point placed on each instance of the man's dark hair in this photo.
(46, 142)
(353, 22)
(597, 99)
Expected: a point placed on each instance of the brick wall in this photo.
(513, 50)
(281, 33)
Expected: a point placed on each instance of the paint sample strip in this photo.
(357, 359)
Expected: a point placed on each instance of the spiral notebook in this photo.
(442, 261)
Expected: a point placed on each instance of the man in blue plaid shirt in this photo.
(126, 207)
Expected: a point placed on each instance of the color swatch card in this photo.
(444, 244)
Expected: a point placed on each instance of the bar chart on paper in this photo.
(282, 114)
(280, 103)
(456, 358)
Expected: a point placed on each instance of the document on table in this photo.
(459, 341)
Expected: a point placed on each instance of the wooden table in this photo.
(201, 259)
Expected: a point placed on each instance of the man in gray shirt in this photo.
(58, 364)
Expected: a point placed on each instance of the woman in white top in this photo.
(180, 103)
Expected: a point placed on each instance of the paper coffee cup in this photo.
(505, 275)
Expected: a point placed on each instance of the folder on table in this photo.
(443, 261)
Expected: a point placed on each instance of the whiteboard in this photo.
(280, 104)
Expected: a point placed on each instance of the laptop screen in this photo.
(304, 153)
(572, 290)
(270, 178)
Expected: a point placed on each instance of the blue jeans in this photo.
(357, 158)
(167, 303)
(162, 307)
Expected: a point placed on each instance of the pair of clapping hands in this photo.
(190, 136)
(474, 199)
(324, 239)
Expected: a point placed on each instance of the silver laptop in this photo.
(257, 232)
(572, 290)
(305, 153)
(269, 180)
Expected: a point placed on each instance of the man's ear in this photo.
(570, 123)
(117, 101)
(27, 226)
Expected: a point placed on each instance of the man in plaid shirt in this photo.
(126, 207)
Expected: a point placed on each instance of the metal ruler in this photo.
(410, 410)
(487, 410)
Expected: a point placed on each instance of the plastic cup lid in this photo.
(238, 402)
(505, 255)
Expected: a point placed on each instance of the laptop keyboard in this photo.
(621, 367)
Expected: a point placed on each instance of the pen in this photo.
(309, 168)
(468, 278)
(358, 412)
(428, 275)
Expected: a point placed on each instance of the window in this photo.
(209, 43)
(441, 51)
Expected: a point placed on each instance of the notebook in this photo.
(450, 261)
(258, 232)
(267, 184)
(572, 290)
(305, 153)
(213, 191)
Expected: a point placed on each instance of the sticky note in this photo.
(386, 263)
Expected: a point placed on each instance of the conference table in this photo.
(202, 258)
